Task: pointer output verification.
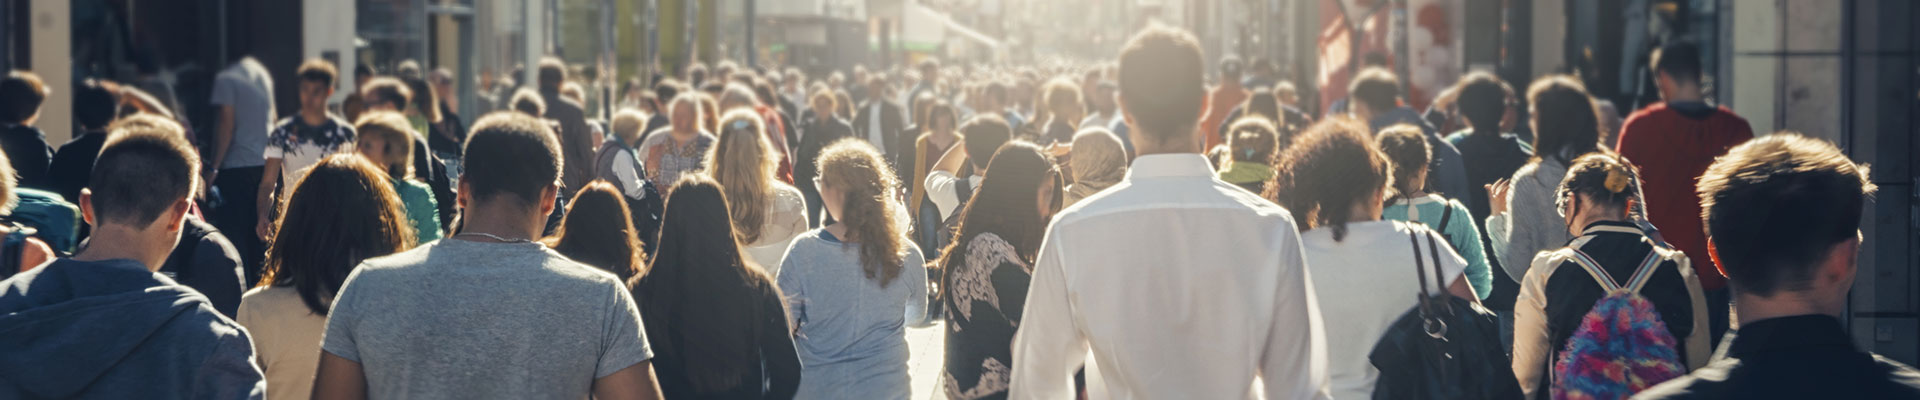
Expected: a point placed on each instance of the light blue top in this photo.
(850, 330)
(1459, 232)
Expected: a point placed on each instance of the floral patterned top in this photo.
(667, 159)
(299, 145)
(984, 296)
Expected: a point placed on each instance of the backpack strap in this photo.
(1640, 274)
(1645, 272)
(1593, 268)
(1446, 215)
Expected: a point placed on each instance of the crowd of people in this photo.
(1111, 230)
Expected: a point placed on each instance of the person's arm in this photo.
(264, 196)
(338, 379)
(1479, 273)
(228, 372)
(1530, 347)
(625, 367)
(795, 289)
(1049, 347)
(628, 176)
(631, 383)
(915, 277)
(1294, 364)
(776, 349)
(1500, 225)
(955, 157)
(146, 103)
(1699, 345)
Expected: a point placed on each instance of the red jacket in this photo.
(1673, 146)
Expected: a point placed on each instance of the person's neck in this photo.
(315, 116)
(1144, 145)
(839, 231)
(1750, 308)
(1490, 130)
(119, 242)
(510, 222)
(1684, 95)
(682, 137)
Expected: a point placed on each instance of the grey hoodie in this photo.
(113, 330)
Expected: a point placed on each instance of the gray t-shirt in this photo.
(471, 320)
(248, 88)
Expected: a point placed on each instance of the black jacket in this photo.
(1798, 357)
(814, 137)
(72, 166)
(892, 123)
(27, 150)
(1489, 158)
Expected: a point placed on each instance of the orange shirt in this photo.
(1224, 100)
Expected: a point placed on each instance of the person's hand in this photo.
(1059, 150)
(264, 228)
(1497, 193)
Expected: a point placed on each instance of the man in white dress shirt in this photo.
(1180, 285)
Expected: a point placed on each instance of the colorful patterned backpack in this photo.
(1621, 346)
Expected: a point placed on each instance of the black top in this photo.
(814, 137)
(684, 338)
(985, 294)
(1489, 158)
(72, 166)
(1798, 357)
(27, 150)
(892, 121)
(1571, 292)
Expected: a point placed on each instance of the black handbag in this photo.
(1444, 348)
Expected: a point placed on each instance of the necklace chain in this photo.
(494, 237)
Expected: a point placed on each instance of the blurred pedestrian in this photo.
(987, 269)
(386, 139)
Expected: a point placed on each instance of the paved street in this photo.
(928, 346)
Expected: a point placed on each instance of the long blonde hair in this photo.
(742, 162)
(856, 169)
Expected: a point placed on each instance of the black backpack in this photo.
(12, 247)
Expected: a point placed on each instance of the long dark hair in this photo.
(1331, 167)
(342, 212)
(1004, 205)
(597, 231)
(701, 287)
(1565, 123)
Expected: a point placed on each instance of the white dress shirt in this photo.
(873, 127)
(1180, 285)
(945, 195)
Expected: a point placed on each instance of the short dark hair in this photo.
(387, 90)
(553, 72)
(1377, 88)
(1565, 123)
(1679, 59)
(511, 153)
(1406, 148)
(1483, 100)
(667, 89)
(363, 70)
(20, 96)
(94, 106)
(145, 167)
(1162, 82)
(527, 101)
(984, 134)
(1775, 206)
(318, 70)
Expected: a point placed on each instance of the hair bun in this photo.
(1617, 180)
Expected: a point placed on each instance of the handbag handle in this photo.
(1434, 327)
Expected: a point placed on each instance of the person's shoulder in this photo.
(1709, 382)
(1902, 377)
(270, 300)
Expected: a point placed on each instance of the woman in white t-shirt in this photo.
(1362, 267)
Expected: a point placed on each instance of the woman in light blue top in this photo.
(1406, 148)
(853, 286)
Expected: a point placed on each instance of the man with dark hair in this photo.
(1489, 154)
(576, 136)
(94, 106)
(982, 135)
(547, 326)
(300, 141)
(243, 95)
(1227, 95)
(355, 104)
(1782, 216)
(1109, 260)
(929, 83)
(118, 328)
(1375, 95)
(21, 93)
(880, 121)
(1672, 143)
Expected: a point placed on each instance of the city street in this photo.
(928, 346)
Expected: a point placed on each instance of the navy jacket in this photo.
(115, 330)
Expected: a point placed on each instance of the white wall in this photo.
(53, 61)
(329, 25)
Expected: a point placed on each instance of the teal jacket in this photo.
(1458, 230)
(422, 210)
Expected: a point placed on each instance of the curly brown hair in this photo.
(857, 170)
(1331, 167)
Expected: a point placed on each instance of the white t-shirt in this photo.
(1365, 281)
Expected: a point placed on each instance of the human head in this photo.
(1407, 150)
(1261, 103)
(930, 70)
(1333, 174)
(1163, 90)
(1483, 100)
(1782, 216)
(737, 95)
(386, 138)
(627, 125)
(316, 83)
(362, 72)
(877, 86)
(856, 188)
(941, 117)
(1676, 68)
(1374, 91)
(512, 163)
(1285, 93)
(573, 91)
(20, 96)
(1565, 125)
(341, 211)
(553, 73)
(142, 182)
(985, 133)
(1063, 100)
(697, 74)
(1253, 140)
(384, 93)
(1598, 187)
(684, 114)
(994, 96)
(442, 80)
(528, 102)
(1230, 68)
(598, 231)
(744, 162)
(822, 102)
(94, 106)
(1097, 159)
(1015, 201)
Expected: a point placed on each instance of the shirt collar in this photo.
(1611, 226)
(1804, 332)
(1170, 165)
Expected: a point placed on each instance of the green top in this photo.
(1240, 172)
(1459, 232)
(422, 210)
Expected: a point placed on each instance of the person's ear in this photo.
(86, 207)
(177, 215)
(549, 198)
(1840, 266)
(465, 196)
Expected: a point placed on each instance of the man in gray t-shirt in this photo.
(488, 312)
